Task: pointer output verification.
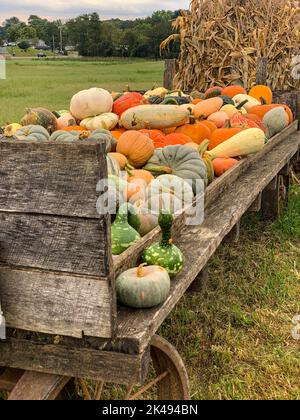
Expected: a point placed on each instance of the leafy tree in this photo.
(24, 45)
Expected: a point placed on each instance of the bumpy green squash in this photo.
(143, 287)
(182, 161)
(32, 133)
(165, 253)
(123, 235)
(100, 134)
(40, 116)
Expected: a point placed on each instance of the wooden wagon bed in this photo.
(253, 185)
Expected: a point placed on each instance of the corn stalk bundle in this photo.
(222, 40)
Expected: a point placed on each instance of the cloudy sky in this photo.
(69, 8)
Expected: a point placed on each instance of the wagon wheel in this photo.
(168, 381)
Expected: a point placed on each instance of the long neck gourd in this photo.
(123, 235)
(164, 253)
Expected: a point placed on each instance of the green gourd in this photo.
(143, 287)
(123, 235)
(165, 253)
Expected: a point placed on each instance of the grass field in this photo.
(235, 338)
(51, 84)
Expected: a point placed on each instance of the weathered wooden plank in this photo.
(51, 177)
(169, 73)
(35, 386)
(262, 71)
(234, 235)
(256, 205)
(270, 200)
(131, 256)
(81, 363)
(200, 243)
(200, 282)
(55, 243)
(9, 378)
(55, 303)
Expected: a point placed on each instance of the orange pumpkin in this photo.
(137, 147)
(219, 118)
(221, 135)
(262, 93)
(205, 108)
(242, 122)
(117, 133)
(262, 110)
(135, 174)
(121, 159)
(222, 165)
(211, 125)
(213, 92)
(196, 132)
(234, 90)
(176, 139)
(170, 130)
(73, 128)
(127, 101)
(135, 191)
(156, 136)
(257, 120)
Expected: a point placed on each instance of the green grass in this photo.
(51, 84)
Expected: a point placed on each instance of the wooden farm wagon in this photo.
(57, 273)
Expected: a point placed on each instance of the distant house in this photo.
(41, 45)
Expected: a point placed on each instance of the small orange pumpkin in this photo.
(222, 165)
(176, 139)
(121, 159)
(156, 136)
(137, 147)
(196, 132)
(135, 174)
(262, 93)
(210, 124)
(219, 118)
(118, 133)
(234, 90)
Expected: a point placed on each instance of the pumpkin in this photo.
(40, 116)
(135, 174)
(127, 101)
(221, 135)
(73, 128)
(213, 92)
(154, 117)
(165, 201)
(234, 90)
(107, 121)
(209, 124)
(176, 138)
(245, 101)
(122, 234)
(227, 100)
(244, 143)
(257, 120)
(165, 253)
(218, 118)
(262, 110)
(11, 129)
(91, 102)
(156, 136)
(66, 120)
(196, 101)
(230, 110)
(160, 91)
(121, 159)
(178, 160)
(205, 108)
(275, 120)
(143, 287)
(69, 136)
(196, 132)
(262, 93)
(171, 184)
(117, 133)
(137, 147)
(135, 191)
(148, 221)
(32, 133)
(222, 165)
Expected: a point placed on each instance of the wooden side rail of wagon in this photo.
(57, 272)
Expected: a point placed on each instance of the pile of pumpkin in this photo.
(164, 142)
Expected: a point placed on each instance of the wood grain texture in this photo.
(130, 257)
(51, 177)
(81, 363)
(9, 378)
(56, 304)
(66, 244)
(169, 73)
(200, 243)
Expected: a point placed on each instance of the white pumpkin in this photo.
(252, 102)
(91, 102)
(107, 121)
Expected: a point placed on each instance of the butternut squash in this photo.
(244, 143)
(154, 117)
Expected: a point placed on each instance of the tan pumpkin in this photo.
(91, 102)
(137, 147)
(205, 108)
(66, 120)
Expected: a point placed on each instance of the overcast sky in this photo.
(68, 8)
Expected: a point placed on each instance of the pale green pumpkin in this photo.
(143, 287)
(165, 253)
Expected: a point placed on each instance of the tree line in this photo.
(93, 37)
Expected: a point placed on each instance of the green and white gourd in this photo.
(165, 253)
(123, 235)
(143, 287)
